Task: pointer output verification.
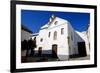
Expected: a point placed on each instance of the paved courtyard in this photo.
(48, 59)
(81, 58)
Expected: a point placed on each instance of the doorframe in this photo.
(54, 53)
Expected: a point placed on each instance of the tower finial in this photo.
(53, 16)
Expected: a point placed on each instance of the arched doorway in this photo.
(54, 50)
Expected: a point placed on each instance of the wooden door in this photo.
(40, 51)
(54, 50)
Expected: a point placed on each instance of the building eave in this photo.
(26, 29)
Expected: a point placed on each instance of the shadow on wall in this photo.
(77, 46)
(81, 45)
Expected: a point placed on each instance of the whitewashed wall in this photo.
(73, 50)
(62, 45)
(84, 36)
(64, 49)
(62, 42)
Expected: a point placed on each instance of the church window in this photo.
(62, 30)
(41, 39)
(55, 35)
(56, 22)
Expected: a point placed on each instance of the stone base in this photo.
(63, 57)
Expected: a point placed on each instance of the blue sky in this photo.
(33, 19)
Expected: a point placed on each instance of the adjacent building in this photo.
(26, 34)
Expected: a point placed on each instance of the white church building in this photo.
(58, 38)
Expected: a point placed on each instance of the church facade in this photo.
(58, 38)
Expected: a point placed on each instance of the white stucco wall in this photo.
(62, 45)
(61, 42)
(84, 36)
(64, 49)
(73, 50)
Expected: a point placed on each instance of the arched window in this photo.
(41, 39)
(62, 30)
(56, 22)
(55, 35)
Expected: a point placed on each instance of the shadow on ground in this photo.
(27, 59)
